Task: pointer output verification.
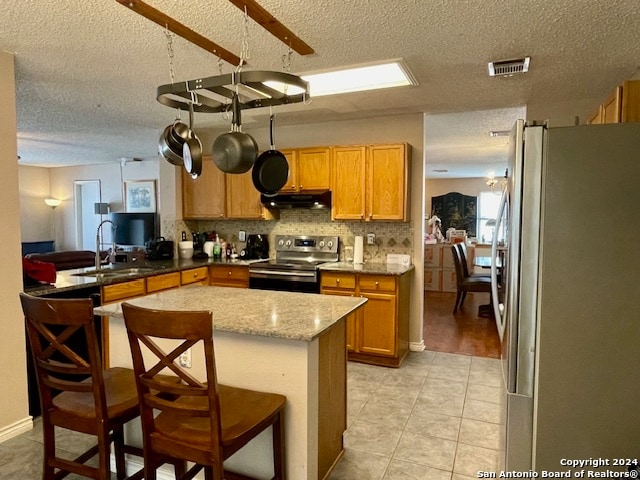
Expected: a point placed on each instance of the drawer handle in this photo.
(229, 273)
(377, 284)
(195, 275)
(337, 280)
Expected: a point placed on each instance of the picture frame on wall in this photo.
(140, 196)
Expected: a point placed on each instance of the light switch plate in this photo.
(242, 236)
(399, 259)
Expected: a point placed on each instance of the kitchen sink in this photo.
(115, 272)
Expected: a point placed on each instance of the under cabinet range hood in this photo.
(313, 200)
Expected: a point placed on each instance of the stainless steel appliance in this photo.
(295, 267)
(568, 312)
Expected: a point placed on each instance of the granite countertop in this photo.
(67, 280)
(288, 315)
(377, 268)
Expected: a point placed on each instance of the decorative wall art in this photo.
(140, 196)
(456, 210)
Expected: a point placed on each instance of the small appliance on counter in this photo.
(160, 249)
(257, 247)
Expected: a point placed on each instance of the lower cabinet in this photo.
(198, 275)
(379, 332)
(229, 276)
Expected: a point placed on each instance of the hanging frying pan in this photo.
(235, 152)
(271, 170)
(192, 150)
(171, 141)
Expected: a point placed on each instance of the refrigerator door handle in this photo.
(498, 308)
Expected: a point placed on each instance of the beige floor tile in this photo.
(399, 470)
(442, 386)
(470, 460)
(424, 450)
(359, 465)
(433, 424)
(480, 434)
(440, 403)
(447, 372)
(483, 411)
(371, 437)
(483, 393)
(385, 411)
(452, 360)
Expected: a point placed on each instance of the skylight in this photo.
(357, 79)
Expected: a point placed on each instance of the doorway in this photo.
(86, 194)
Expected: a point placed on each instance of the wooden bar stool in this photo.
(75, 393)
(200, 422)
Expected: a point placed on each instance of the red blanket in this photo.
(43, 272)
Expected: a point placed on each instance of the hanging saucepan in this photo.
(271, 170)
(171, 141)
(235, 152)
(192, 150)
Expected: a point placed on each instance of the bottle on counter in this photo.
(229, 250)
(217, 253)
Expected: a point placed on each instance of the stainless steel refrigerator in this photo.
(567, 296)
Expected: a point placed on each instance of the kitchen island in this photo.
(282, 342)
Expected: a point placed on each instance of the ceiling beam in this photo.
(178, 28)
(272, 25)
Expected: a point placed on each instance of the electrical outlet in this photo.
(185, 358)
(371, 238)
(242, 236)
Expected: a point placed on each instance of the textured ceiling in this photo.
(87, 71)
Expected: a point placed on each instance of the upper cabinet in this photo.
(215, 195)
(370, 182)
(204, 197)
(309, 169)
(623, 105)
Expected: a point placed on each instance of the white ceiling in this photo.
(87, 71)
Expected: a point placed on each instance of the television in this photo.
(135, 229)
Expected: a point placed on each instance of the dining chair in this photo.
(198, 420)
(75, 392)
(462, 248)
(466, 283)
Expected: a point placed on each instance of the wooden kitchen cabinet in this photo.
(309, 169)
(229, 276)
(370, 182)
(623, 105)
(164, 281)
(243, 200)
(204, 197)
(122, 290)
(195, 275)
(379, 332)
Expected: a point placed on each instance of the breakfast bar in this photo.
(289, 343)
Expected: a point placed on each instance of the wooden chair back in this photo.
(460, 276)
(189, 397)
(462, 249)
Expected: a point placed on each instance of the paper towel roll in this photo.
(358, 250)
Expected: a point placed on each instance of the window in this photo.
(488, 203)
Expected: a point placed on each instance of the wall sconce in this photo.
(52, 202)
(491, 182)
(101, 208)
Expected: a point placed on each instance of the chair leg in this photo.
(49, 449)
(278, 448)
(118, 442)
(455, 305)
(104, 450)
(464, 295)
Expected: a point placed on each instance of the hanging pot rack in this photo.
(215, 93)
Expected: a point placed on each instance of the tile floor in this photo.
(434, 418)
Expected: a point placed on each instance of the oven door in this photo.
(284, 280)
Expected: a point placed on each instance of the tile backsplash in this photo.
(391, 237)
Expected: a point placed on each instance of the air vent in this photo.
(507, 68)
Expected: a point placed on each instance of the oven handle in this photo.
(281, 273)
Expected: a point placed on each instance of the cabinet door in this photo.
(194, 275)
(376, 333)
(229, 276)
(314, 169)
(612, 107)
(243, 200)
(348, 183)
(119, 291)
(387, 170)
(292, 181)
(204, 197)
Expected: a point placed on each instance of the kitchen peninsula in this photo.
(283, 342)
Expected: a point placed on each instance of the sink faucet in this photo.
(98, 242)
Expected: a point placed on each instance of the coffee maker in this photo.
(257, 247)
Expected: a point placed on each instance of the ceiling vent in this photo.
(507, 68)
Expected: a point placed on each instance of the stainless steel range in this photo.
(295, 268)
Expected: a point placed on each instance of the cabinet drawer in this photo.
(338, 280)
(194, 275)
(226, 273)
(377, 283)
(163, 282)
(118, 291)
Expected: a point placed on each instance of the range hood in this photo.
(314, 200)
